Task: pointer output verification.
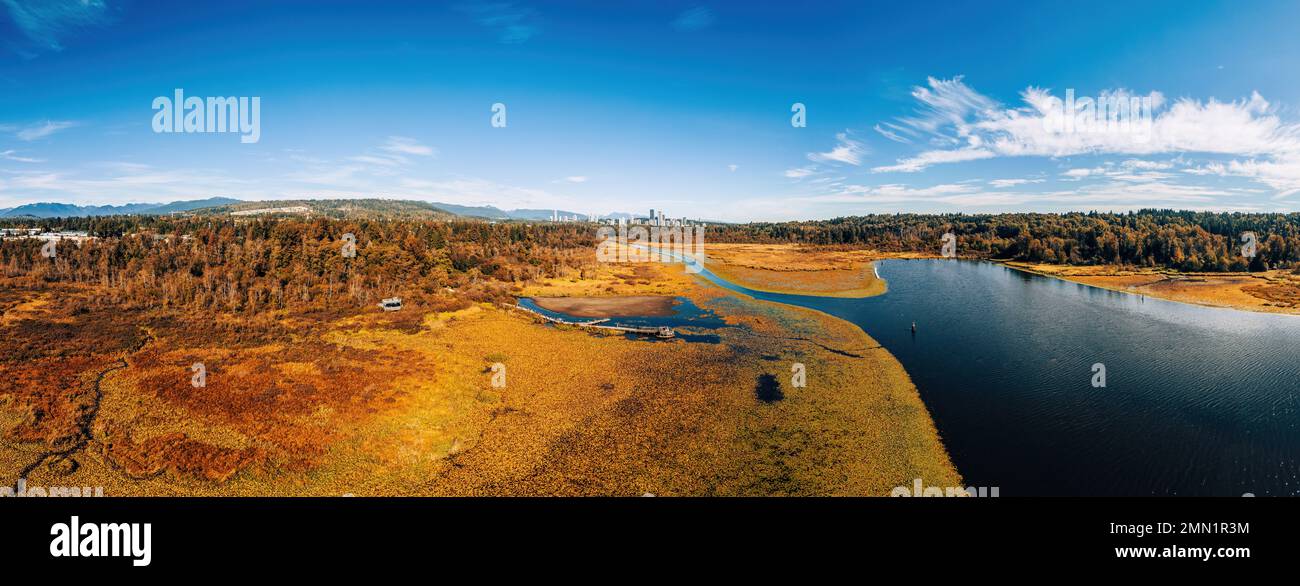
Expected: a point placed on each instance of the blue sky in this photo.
(684, 106)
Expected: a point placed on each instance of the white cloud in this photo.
(847, 150)
(946, 103)
(1013, 182)
(395, 152)
(1080, 173)
(12, 155)
(377, 160)
(733, 168)
(967, 126)
(1146, 165)
(476, 191)
(1281, 173)
(800, 172)
(576, 179)
(1109, 195)
(925, 159)
(43, 129)
(894, 132)
(124, 182)
(401, 145)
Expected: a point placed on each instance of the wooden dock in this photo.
(598, 324)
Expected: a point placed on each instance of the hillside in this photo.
(333, 208)
(64, 210)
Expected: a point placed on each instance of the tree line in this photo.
(1182, 240)
(251, 264)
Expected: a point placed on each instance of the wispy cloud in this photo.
(46, 23)
(967, 125)
(396, 151)
(1000, 183)
(120, 183)
(894, 132)
(371, 171)
(1080, 173)
(961, 124)
(38, 130)
(927, 158)
(847, 150)
(477, 191)
(1281, 173)
(12, 155)
(512, 24)
(1107, 195)
(694, 19)
(377, 160)
(946, 104)
(800, 172)
(401, 145)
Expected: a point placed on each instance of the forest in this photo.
(1181, 240)
(248, 264)
(245, 265)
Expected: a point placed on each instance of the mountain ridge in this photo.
(67, 210)
(42, 210)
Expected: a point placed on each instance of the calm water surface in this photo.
(690, 321)
(1198, 400)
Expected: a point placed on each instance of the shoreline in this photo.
(1171, 278)
(830, 272)
(933, 430)
(794, 269)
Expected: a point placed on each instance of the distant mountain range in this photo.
(64, 210)
(495, 213)
(349, 207)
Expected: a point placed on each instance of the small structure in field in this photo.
(391, 304)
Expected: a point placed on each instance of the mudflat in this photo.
(800, 269)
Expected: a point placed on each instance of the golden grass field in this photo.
(801, 269)
(1271, 291)
(374, 403)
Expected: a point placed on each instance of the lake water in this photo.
(1198, 400)
(690, 321)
